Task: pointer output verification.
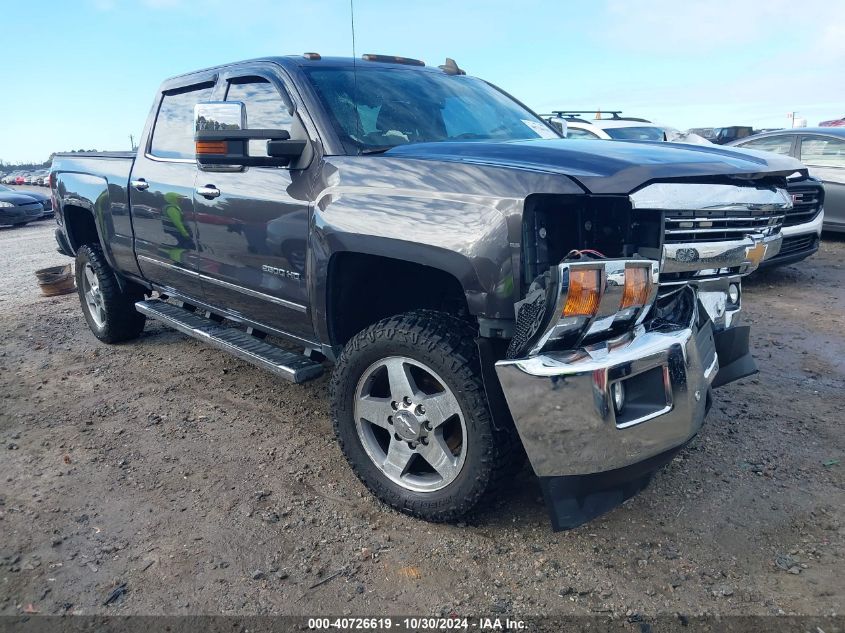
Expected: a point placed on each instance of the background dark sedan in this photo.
(822, 150)
(45, 200)
(18, 208)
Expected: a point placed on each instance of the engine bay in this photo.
(556, 227)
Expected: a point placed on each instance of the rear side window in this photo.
(173, 135)
(636, 133)
(823, 152)
(775, 144)
(265, 108)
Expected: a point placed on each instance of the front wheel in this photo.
(109, 310)
(410, 413)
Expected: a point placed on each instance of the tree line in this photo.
(4, 165)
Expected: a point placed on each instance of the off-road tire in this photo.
(446, 345)
(122, 321)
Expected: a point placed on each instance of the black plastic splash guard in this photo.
(576, 499)
(735, 360)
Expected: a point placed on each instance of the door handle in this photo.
(208, 191)
(140, 184)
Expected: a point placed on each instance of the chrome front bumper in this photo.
(562, 406)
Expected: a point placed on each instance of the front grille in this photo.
(719, 226)
(806, 204)
(796, 244)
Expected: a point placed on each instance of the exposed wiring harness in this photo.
(584, 253)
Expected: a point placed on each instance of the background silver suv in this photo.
(822, 150)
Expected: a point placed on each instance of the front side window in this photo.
(265, 108)
(635, 133)
(382, 108)
(775, 144)
(823, 152)
(173, 134)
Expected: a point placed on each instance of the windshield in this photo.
(385, 107)
(636, 133)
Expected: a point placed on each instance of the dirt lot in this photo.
(207, 486)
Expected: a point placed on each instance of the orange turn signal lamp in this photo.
(587, 286)
(637, 289)
(585, 290)
(212, 147)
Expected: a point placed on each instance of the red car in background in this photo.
(833, 123)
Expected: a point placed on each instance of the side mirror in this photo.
(222, 140)
(558, 124)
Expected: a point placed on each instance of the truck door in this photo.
(253, 223)
(161, 192)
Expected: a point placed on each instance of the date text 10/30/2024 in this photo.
(415, 624)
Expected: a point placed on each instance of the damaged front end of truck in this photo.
(628, 324)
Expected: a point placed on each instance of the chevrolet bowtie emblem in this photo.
(755, 254)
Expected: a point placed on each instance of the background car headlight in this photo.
(5, 205)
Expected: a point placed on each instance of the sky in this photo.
(82, 74)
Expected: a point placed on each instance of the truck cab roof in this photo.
(310, 60)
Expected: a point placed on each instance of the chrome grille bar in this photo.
(697, 212)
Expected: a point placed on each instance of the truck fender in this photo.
(90, 193)
(457, 265)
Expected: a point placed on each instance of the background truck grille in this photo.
(806, 203)
(796, 244)
(718, 226)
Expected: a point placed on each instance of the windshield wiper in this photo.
(375, 150)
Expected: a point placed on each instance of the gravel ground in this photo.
(207, 486)
(31, 251)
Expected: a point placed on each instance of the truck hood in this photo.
(605, 167)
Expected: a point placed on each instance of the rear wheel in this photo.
(109, 311)
(411, 416)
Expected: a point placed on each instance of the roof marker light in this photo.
(451, 67)
(392, 59)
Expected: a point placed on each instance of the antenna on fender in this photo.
(354, 72)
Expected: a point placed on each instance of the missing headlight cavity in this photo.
(553, 225)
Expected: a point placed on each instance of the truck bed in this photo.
(96, 154)
(97, 183)
(114, 167)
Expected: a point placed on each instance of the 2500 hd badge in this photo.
(274, 270)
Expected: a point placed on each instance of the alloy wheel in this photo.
(410, 424)
(93, 296)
